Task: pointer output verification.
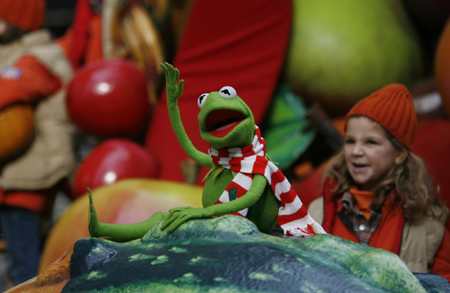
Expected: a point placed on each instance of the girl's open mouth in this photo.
(359, 167)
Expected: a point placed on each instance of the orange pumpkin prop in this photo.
(16, 130)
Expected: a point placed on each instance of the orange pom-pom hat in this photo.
(393, 108)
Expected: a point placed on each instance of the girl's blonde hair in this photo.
(415, 191)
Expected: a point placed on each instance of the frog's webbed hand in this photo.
(179, 216)
(119, 232)
(174, 91)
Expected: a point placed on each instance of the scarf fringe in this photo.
(311, 229)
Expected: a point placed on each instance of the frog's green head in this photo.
(225, 119)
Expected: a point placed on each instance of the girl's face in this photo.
(369, 154)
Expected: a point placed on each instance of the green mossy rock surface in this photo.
(229, 254)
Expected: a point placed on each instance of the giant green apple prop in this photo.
(341, 51)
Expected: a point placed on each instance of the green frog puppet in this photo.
(242, 180)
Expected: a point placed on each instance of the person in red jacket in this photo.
(377, 192)
(33, 70)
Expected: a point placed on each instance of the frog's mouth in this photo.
(221, 122)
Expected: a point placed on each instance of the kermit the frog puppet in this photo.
(242, 180)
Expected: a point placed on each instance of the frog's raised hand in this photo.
(173, 89)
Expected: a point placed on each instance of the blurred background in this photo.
(299, 65)
(59, 16)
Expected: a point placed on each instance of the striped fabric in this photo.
(293, 217)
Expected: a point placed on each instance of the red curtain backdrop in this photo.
(226, 43)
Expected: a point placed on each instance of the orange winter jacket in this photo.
(35, 83)
(423, 246)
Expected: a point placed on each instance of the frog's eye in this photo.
(201, 100)
(228, 92)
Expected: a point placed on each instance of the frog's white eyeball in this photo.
(228, 92)
(201, 100)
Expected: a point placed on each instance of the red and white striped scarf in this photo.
(293, 217)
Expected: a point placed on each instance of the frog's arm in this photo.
(178, 216)
(119, 232)
(174, 91)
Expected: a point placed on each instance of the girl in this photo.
(377, 191)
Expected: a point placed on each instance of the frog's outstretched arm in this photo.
(119, 232)
(174, 91)
(178, 216)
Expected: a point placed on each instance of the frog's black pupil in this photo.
(201, 98)
(225, 91)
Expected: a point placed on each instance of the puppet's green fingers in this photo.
(163, 65)
(168, 71)
(180, 88)
(179, 220)
(168, 221)
(177, 210)
(173, 215)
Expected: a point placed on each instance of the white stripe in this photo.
(224, 161)
(291, 208)
(242, 180)
(243, 212)
(247, 165)
(235, 152)
(224, 197)
(268, 175)
(272, 166)
(282, 187)
(255, 140)
(259, 150)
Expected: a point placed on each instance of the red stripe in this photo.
(284, 219)
(236, 162)
(240, 191)
(259, 166)
(288, 197)
(223, 153)
(237, 214)
(311, 230)
(232, 185)
(276, 177)
(247, 150)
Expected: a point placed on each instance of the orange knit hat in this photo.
(393, 108)
(25, 14)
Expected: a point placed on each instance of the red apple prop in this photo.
(125, 202)
(108, 98)
(111, 161)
